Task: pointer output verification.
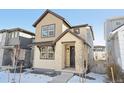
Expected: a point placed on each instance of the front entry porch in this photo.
(69, 56)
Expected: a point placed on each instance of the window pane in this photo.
(51, 33)
(51, 56)
(47, 52)
(44, 33)
(48, 30)
(43, 55)
(77, 30)
(50, 49)
(51, 27)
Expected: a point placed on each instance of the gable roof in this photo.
(53, 13)
(59, 37)
(17, 29)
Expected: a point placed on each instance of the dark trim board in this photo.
(68, 42)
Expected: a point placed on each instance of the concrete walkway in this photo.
(63, 78)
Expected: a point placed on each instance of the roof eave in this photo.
(17, 29)
(92, 32)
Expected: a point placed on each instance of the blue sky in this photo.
(24, 18)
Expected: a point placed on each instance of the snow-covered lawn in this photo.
(25, 77)
(41, 78)
(98, 78)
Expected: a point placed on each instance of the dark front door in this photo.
(72, 56)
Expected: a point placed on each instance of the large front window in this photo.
(47, 52)
(48, 30)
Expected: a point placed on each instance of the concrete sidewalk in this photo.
(63, 78)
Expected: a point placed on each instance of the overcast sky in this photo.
(26, 17)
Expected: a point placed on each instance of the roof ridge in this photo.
(53, 13)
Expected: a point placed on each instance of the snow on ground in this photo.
(40, 78)
(25, 77)
(99, 78)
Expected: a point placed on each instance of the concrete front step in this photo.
(63, 78)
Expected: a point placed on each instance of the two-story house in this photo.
(114, 40)
(9, 39)
(60, 46)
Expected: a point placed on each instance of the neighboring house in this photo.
(99, 64)
(109, 26)
(116, 38)
(99, 53)
(9, 40)
(60, 46)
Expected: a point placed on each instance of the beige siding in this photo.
(64, 27)
(48, 19)
(83, 32)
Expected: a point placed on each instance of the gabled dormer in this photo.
(49, 26)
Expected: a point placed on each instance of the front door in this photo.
(72, 56)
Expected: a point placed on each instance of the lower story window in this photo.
(47, 52)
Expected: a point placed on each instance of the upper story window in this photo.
(77, 30)
(13, 34)
(48, 30)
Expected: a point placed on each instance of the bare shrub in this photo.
(117, 71)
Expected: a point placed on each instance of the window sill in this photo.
(46, 59)
(47, 36)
